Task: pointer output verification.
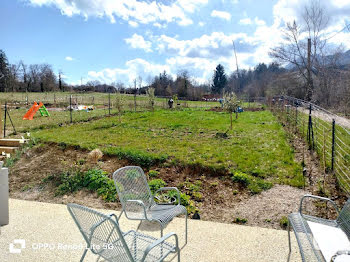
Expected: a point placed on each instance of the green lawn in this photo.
(257, 145)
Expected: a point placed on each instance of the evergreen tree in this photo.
(4, 70)
(219, 80)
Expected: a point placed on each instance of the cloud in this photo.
(132, 70)
(69, 58)
(141, 12)
(137, 41)
(201, 23)
(133, 24)
(217, 44)
(221, 14)
(245, 21)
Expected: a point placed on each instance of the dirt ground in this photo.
(223, 201)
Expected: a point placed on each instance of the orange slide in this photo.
(31, 112)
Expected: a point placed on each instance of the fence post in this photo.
(333, 143)
(5, 119)
(135, 99)
(309, 126)
(0, 120)
(296, 118)
(70, 108)
(109, 102)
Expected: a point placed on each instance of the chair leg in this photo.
(120, 214)
(137, 229)
(289, 242)
(84, 254)
(178, 254)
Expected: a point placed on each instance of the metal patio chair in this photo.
(319, 239)
(105, 239)
(138, 202)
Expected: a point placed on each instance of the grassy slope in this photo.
(257, 144)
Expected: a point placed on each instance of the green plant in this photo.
(95, 179)
(284, 222)
(193, 187)
(156, 184)
(231, 104)
(197, 196)
(81, 161)
(214, 184)
(69, 182)
(108, 191)
(133, 174)
(242, 178)
(239, 220)
(153, 173)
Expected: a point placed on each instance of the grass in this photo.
(322, 133)
(61, 100)
(257, 145)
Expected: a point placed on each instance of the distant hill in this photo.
(344, 61)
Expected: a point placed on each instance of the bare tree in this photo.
(304, 44)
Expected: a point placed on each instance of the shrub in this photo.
(284, 222)
(241, 178)
(69, 182)
(197, 196)
(239, 220)
(108, 191)
(153, 173)
(155, 184)
(95, 180)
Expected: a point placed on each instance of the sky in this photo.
(121, 40)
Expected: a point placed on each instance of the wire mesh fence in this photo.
(326, 133)
(65, 108)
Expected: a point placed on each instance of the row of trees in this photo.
(305, 66)
(32, 78)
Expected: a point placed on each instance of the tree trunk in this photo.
(231, 119)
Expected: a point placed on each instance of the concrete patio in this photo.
(51, 235)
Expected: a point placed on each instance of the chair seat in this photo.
(137, 243)
(165, 213)
(329, 240)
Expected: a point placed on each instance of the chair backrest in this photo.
(101, 233)
(131, 184)
(343, 219)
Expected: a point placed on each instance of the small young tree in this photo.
(231, 104)
(119, 102)
(151, 97)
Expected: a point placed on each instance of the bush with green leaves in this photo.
(239, 220)
(69, 182)
(284, 222)
(242, 178)
(153, 173)
(156, 184)
(95, 180)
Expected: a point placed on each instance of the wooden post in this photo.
(70, 108)
(109, 102)
(309, 80)
(1, 120)
(5, 119)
